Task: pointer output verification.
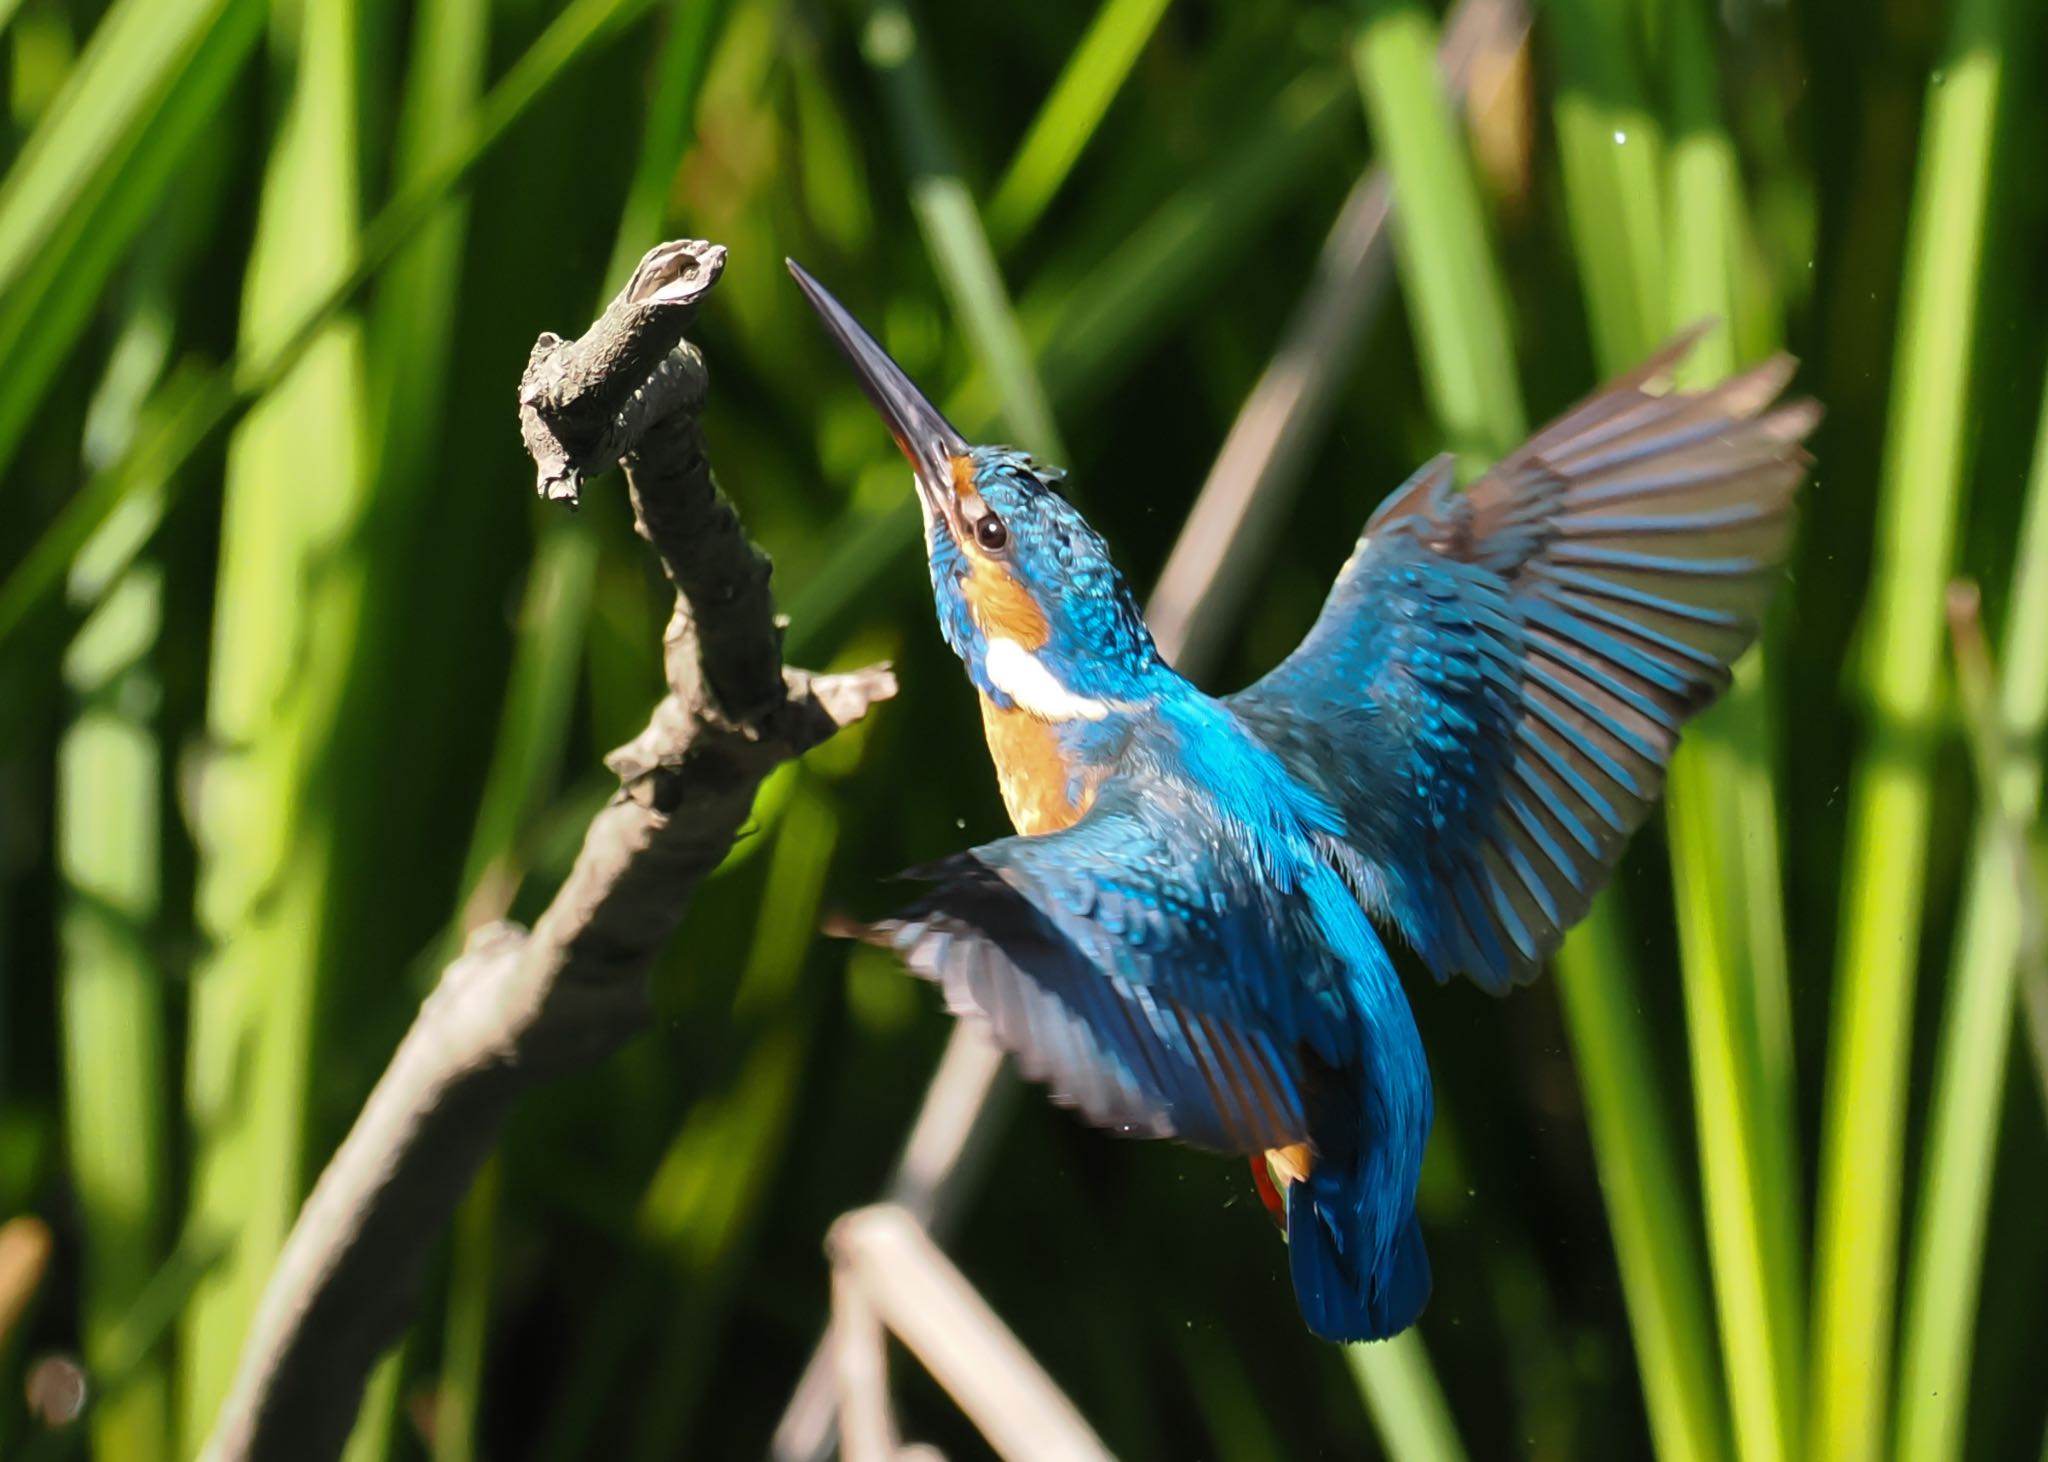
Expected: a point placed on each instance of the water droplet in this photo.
(960, 823)
(1620, 136)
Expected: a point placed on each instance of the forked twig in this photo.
(885, 1263)
(518, 1008)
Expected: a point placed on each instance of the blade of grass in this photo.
(1656, 1234)
(1072, 112)
(109, 841)
(1946, 1275)
(376, 1430)
(472, 1249)
(254, 372)
(1610, 147)
(1722, 816)
(152, 79)
(1890, 804)
(412, 324)
(1441, 249)
(1407, 1405)
(1458, 305)
(287, 582)
(953, 232)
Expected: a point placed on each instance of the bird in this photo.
(1191, 933)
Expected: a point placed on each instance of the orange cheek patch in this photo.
(1003, 607)
(963, 475)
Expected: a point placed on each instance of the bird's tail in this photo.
(1354, 1248)
(1351, 1282)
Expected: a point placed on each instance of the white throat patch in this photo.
(1022, 676)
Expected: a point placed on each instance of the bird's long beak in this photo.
(921, 432)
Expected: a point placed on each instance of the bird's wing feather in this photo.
(1108, 959)
(1497, 680)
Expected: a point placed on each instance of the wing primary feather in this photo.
(1505, 671)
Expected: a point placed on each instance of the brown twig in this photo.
(899, 1280)
(519, 1008)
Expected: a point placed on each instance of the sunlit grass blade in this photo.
(151, 80)
(1441, 246)
(1722, 814)
(1656, 1233)
(109, 839)
(1892, 791)
(1946, 1277)
(1458, 303)
(259, 366)
(288, 583)
(953, 232)
(1610, 145)
(1440, 234)
(1407, 1404)
(374, 1436)
(1072, 112)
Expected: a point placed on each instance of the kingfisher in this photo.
(1189, 936)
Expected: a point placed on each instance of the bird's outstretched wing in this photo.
(1119, 962)
(1498, 677)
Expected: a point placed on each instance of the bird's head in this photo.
(1027, 595)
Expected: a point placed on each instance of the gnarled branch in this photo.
(518, 1008)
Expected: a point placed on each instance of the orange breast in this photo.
(1031, 770)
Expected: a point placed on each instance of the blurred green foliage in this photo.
(299, 683)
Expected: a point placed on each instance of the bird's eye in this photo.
(991, 534)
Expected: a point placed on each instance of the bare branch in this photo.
(519, 1008)
(913, 1289)
(860, 1366)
